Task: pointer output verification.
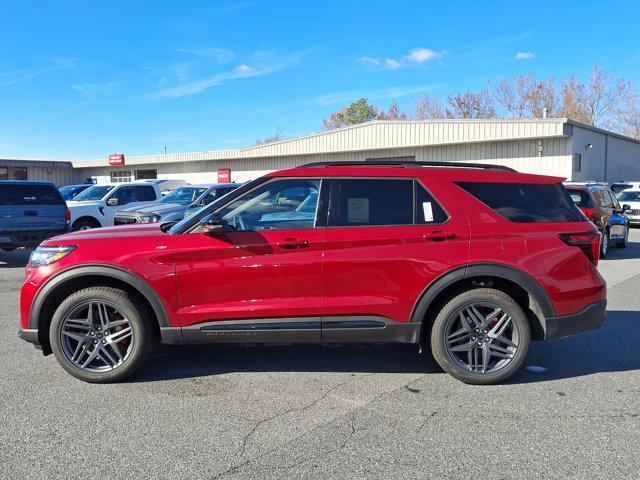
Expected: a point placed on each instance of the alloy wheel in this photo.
(96, 337)
(482, 338)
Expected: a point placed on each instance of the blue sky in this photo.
(82, 79)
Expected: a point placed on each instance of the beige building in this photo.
(552, 146)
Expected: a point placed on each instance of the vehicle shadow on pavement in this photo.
(16, 258)
(609, 349)
(631, 251)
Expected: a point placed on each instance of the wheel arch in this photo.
(91, 218)
(60, 286)
(525, 290)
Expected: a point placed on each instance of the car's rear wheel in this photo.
(604, 244)
(481, 336)
(101, 334)
(623, 243)
(85, 224)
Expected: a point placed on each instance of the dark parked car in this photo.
(30, 212)
(601, 206)
(69, 192)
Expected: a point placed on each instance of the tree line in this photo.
(604, 100)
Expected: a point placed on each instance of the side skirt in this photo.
(327, 330)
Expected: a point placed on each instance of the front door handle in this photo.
(439, 236)
(293, 243)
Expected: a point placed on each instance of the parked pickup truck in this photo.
(173, 206)
(30, 212)
(97, 205)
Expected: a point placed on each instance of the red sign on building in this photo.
(116, 159)
(224, 175)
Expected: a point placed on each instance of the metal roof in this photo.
(374, 135)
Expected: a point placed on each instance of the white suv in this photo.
(96, 206)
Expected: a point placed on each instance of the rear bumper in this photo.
(28, 238)
(589, 318)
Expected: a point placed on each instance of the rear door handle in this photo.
(290, 243)
(439, 236)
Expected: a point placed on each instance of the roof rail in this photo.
(407, 164)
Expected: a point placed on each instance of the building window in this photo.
(13, 173)
(146, 174)
(577, 162)
(120, 176)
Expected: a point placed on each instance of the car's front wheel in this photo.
(623, 243)
(101, 334)
(481, 336)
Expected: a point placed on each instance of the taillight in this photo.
(67, 216)
(588, 242)
(590, 213)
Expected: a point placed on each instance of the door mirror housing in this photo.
(211, 224)
(112, 202)
(626, 207)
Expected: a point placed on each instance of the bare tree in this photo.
(428, 108)
(628, 117)
(393, 113)
(276, 137)
(471, 105)
(525, 96)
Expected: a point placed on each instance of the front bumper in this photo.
(590, 318)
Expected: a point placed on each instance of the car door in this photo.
(259, 275)
(386, 240)
(129, 195)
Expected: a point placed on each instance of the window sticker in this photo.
(428, 211)
(358, 210)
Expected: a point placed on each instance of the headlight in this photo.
(42, 256)
(149, 218)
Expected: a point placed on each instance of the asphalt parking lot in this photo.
(327, 412)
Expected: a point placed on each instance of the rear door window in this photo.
(30, 195)
(581, 198)
(382, 202)
(145, 194)
(367, 202)
(526, 202)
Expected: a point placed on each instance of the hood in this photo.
(86, 203)
(633, 205)
(120, 231)
(160, 209)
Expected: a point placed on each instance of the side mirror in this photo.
(211, 225)
(626, 207)
(112, 202)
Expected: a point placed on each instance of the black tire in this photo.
(142, 343)
(85, 223)
(604, 244)
(623, 243)
(451, 310)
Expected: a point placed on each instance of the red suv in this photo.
(474, 261)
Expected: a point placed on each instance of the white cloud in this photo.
(525, 55)
(421, 55)
(193, 87)
(56, 64)
(351, 95)
(244, 69)
(417, 55)
(219, 54)
(369, 61)
(391, 63)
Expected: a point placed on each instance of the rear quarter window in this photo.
(580, 198)
(30, 195)
(526, 202)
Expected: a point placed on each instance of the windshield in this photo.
(183, 195)
(628, 196)
(93, 193)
